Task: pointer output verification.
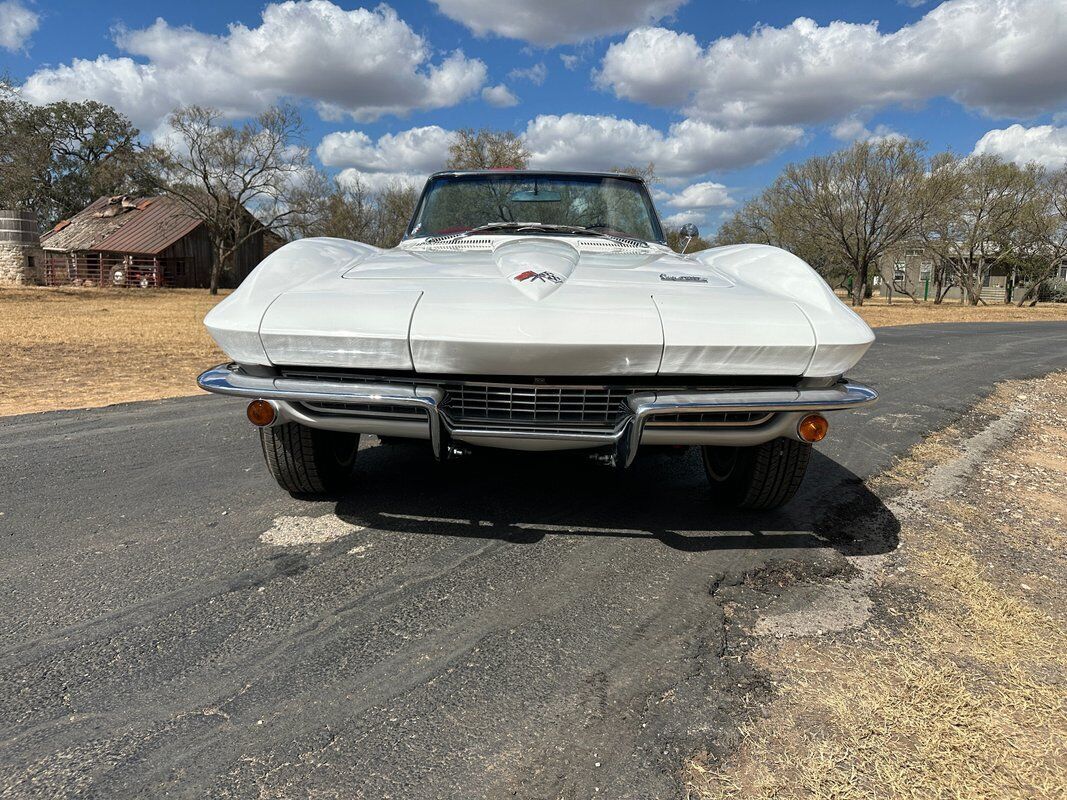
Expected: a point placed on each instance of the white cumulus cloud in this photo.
(688, 148)
(535, 74)
(703, 195)
(500, 96)
(360, 63)
(17, 24)
(572, 141)
(853, 129)
(1000, 57)
(1043, 144)
(682, 217)
(416, 150)
(551, 22)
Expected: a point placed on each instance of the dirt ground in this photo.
(83, 348)
(880, 314)
(938, 670)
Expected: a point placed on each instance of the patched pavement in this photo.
(525, 626)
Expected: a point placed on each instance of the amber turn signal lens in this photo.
(260, 413)
(813, 428)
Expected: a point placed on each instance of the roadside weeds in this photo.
(955, 686)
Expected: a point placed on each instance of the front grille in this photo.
(730, 418)
(368, 410)
(481, 402)
(536, 405)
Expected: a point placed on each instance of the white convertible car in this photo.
(539, 311)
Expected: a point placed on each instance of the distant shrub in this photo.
(1053, 291)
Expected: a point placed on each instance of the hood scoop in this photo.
(536, 267)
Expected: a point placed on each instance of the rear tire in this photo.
(764, 476)
(309, 461)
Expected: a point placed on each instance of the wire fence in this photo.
(114, 270)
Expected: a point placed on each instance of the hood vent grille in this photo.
(618, 246)
(454, 244)
(462, 244)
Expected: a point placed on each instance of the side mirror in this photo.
(690, 232)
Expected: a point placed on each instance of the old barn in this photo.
(140, 241)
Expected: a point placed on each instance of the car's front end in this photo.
(614, 416)
(538, 334)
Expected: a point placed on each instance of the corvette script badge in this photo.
(542, 277)
(682, 278)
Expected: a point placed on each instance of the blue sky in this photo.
(720, 95)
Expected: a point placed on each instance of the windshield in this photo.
(458, 203)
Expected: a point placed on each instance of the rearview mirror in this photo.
(535, 197)
(689, 231)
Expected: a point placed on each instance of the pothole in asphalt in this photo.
(293, 531)
(814, 610)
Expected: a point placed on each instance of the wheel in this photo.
(308, 461)
(759, 477)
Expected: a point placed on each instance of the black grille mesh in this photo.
(546, 405)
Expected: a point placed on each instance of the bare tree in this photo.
(394, 207)
(238, 180)
(771, 219)
(487, 149)
(331, 208)
(978, 221)
(858, 203)
(348, 210)
(646, 173)
(1046, 222)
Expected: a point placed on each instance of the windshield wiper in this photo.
(584, 231)
(535, 226)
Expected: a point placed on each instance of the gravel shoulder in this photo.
(936, 669)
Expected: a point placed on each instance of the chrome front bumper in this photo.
(787, 407)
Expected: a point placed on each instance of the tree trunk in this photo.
(216, 267)
(1031, 292)
(911, 295)
(859, 288)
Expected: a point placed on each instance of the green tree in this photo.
(59, 157)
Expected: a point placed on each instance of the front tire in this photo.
(761, 477)
(308, 461)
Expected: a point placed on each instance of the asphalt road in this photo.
(498, 627)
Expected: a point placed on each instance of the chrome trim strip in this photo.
(626, 436)
(225, 379)
(646, 405)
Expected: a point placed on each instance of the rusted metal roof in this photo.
(152, 228)
(145, 226)
(83, 230)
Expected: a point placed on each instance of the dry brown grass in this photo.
(79, 348)
(82, 348)
(879, 314)
(965, 694)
